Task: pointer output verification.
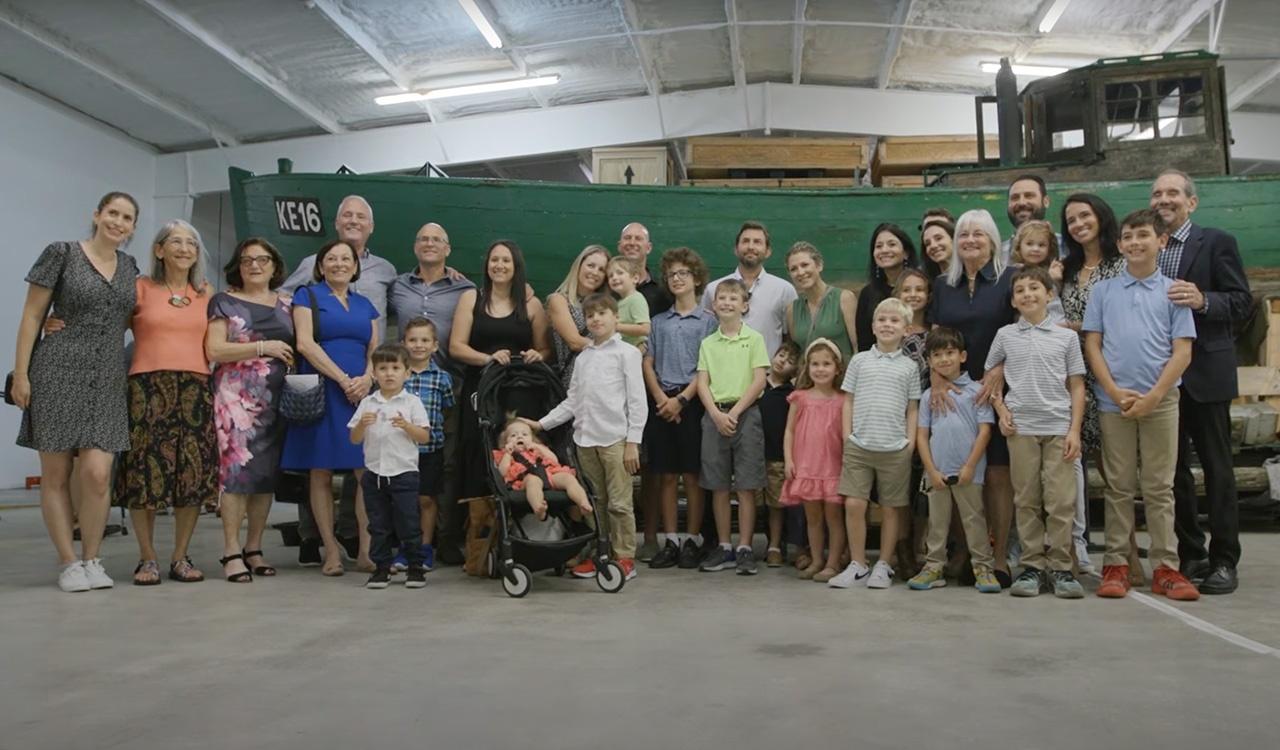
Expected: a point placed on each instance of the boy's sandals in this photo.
(184, 571)
(264, 570)
(147, 573)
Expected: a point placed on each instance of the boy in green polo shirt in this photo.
(732, 363)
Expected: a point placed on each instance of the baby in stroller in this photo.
(526, 463)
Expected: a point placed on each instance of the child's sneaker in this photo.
(584, 569)
(1029, 583)
(746, 560)
(928, 578)
(1065, 585)
(96, 576)
(881, 576)
(1166, 581)
(854, 575)
(985, 581)
(428, 557)
(415, 577)
(72, 578)
(1115, 582)
(628, 568)
(647, 552)
(400, 563)
(690, 555)
(380, 579)
(718, 559)
(667, 557)
(773, 558)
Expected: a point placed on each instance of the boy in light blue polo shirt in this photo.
(953, 449)
(1139, 343)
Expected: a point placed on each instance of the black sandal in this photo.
(266, 571)
(188, 574)
(241, 577)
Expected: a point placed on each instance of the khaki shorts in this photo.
(775, 475)
(889, 471)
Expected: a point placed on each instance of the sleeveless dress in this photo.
(488, 335)
(78, 375)
(828, 323)
(344, 335)
(247, 393)
(564, 355)
(817, 449)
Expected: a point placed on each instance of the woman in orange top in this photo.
(172, 459)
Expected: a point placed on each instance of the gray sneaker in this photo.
(1029, 583)
(746, 561)
(717, 559)
(1065, 585)
(647, 552)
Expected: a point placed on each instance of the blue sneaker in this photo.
(428, 557)
(400, 564)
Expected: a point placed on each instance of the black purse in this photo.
(302, 399)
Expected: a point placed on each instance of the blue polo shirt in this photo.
(673, 345)
(953, 432)
(1138, 324)
(977, 317)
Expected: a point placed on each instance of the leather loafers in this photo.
(1222, 580)
(1195, 570)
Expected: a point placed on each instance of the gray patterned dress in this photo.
(78, 375)
(1075, 299)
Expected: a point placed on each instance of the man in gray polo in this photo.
(431, 291)
(770, 295)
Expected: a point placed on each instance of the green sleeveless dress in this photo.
(828, 323)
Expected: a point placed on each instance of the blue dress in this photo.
(344, 336)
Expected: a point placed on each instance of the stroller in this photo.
(516, 554)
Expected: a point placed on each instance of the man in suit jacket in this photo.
(1210, 280)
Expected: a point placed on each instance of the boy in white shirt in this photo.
(391, 423)
(607, 405)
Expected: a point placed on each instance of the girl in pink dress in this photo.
(812, 446)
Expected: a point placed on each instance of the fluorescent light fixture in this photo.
(478, 88)
(482, 23)
(1035, 71)
(1051, 16)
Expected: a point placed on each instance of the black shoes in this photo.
(350, 545)
(690, 555)
(309, 553)
(667, 557)
(415, 577)
(1221, 580)
(380, 579)
(1195, 570)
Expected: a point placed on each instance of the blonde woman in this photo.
(564, 307)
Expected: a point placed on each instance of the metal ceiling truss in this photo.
(894, 44)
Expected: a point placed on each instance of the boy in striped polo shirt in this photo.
(1041, 416)
(882, 387)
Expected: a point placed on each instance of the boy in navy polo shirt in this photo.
(1139, 343)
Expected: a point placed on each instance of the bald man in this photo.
(634, 243)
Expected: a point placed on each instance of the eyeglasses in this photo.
(255, 260)
(680, 274)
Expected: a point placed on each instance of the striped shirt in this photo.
(1038, 359)
(434, 388)
(883, 385)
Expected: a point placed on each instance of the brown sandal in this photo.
(147, 573)
(184, 571)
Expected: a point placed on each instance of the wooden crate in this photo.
(714, 156)
(771, 182)
(909, 154)
(649, 165)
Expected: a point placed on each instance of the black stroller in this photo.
(515, 556)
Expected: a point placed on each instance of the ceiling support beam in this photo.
(180, 20)
(100, 66)
(353, 31)
(1183, 25)
(797, 42)
(1255, 83)
(627, 10)
(900, 16)
(735, 45)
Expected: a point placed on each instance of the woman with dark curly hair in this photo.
(890, 252)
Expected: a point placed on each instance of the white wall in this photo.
(57, 164)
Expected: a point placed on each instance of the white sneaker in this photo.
(854, 575)
(97, 577)
(72, 578)
(881, 576)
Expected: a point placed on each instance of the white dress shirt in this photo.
(606, 396)
(388, 450)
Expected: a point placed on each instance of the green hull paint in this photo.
(552, 222)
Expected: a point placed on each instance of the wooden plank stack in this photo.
(775, 162)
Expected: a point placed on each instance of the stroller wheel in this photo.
(517, 582)
(611, 577)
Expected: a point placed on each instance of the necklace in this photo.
(175, 299)
(1090, 268)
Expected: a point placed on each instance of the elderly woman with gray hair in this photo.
(172, 459)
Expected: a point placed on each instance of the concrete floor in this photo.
(678, 659)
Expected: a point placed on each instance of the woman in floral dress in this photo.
(250, 339)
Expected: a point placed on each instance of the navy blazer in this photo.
(1211, 261)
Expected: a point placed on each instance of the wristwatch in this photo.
(683, 401)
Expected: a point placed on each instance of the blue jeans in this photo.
(392, 505)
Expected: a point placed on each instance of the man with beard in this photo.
(1210, 280)
(634, 244)
(1028, 199)
(770, 295)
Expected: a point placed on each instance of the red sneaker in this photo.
(628, 567)
(1166, 581)
(584, 569)
(1115, 582)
